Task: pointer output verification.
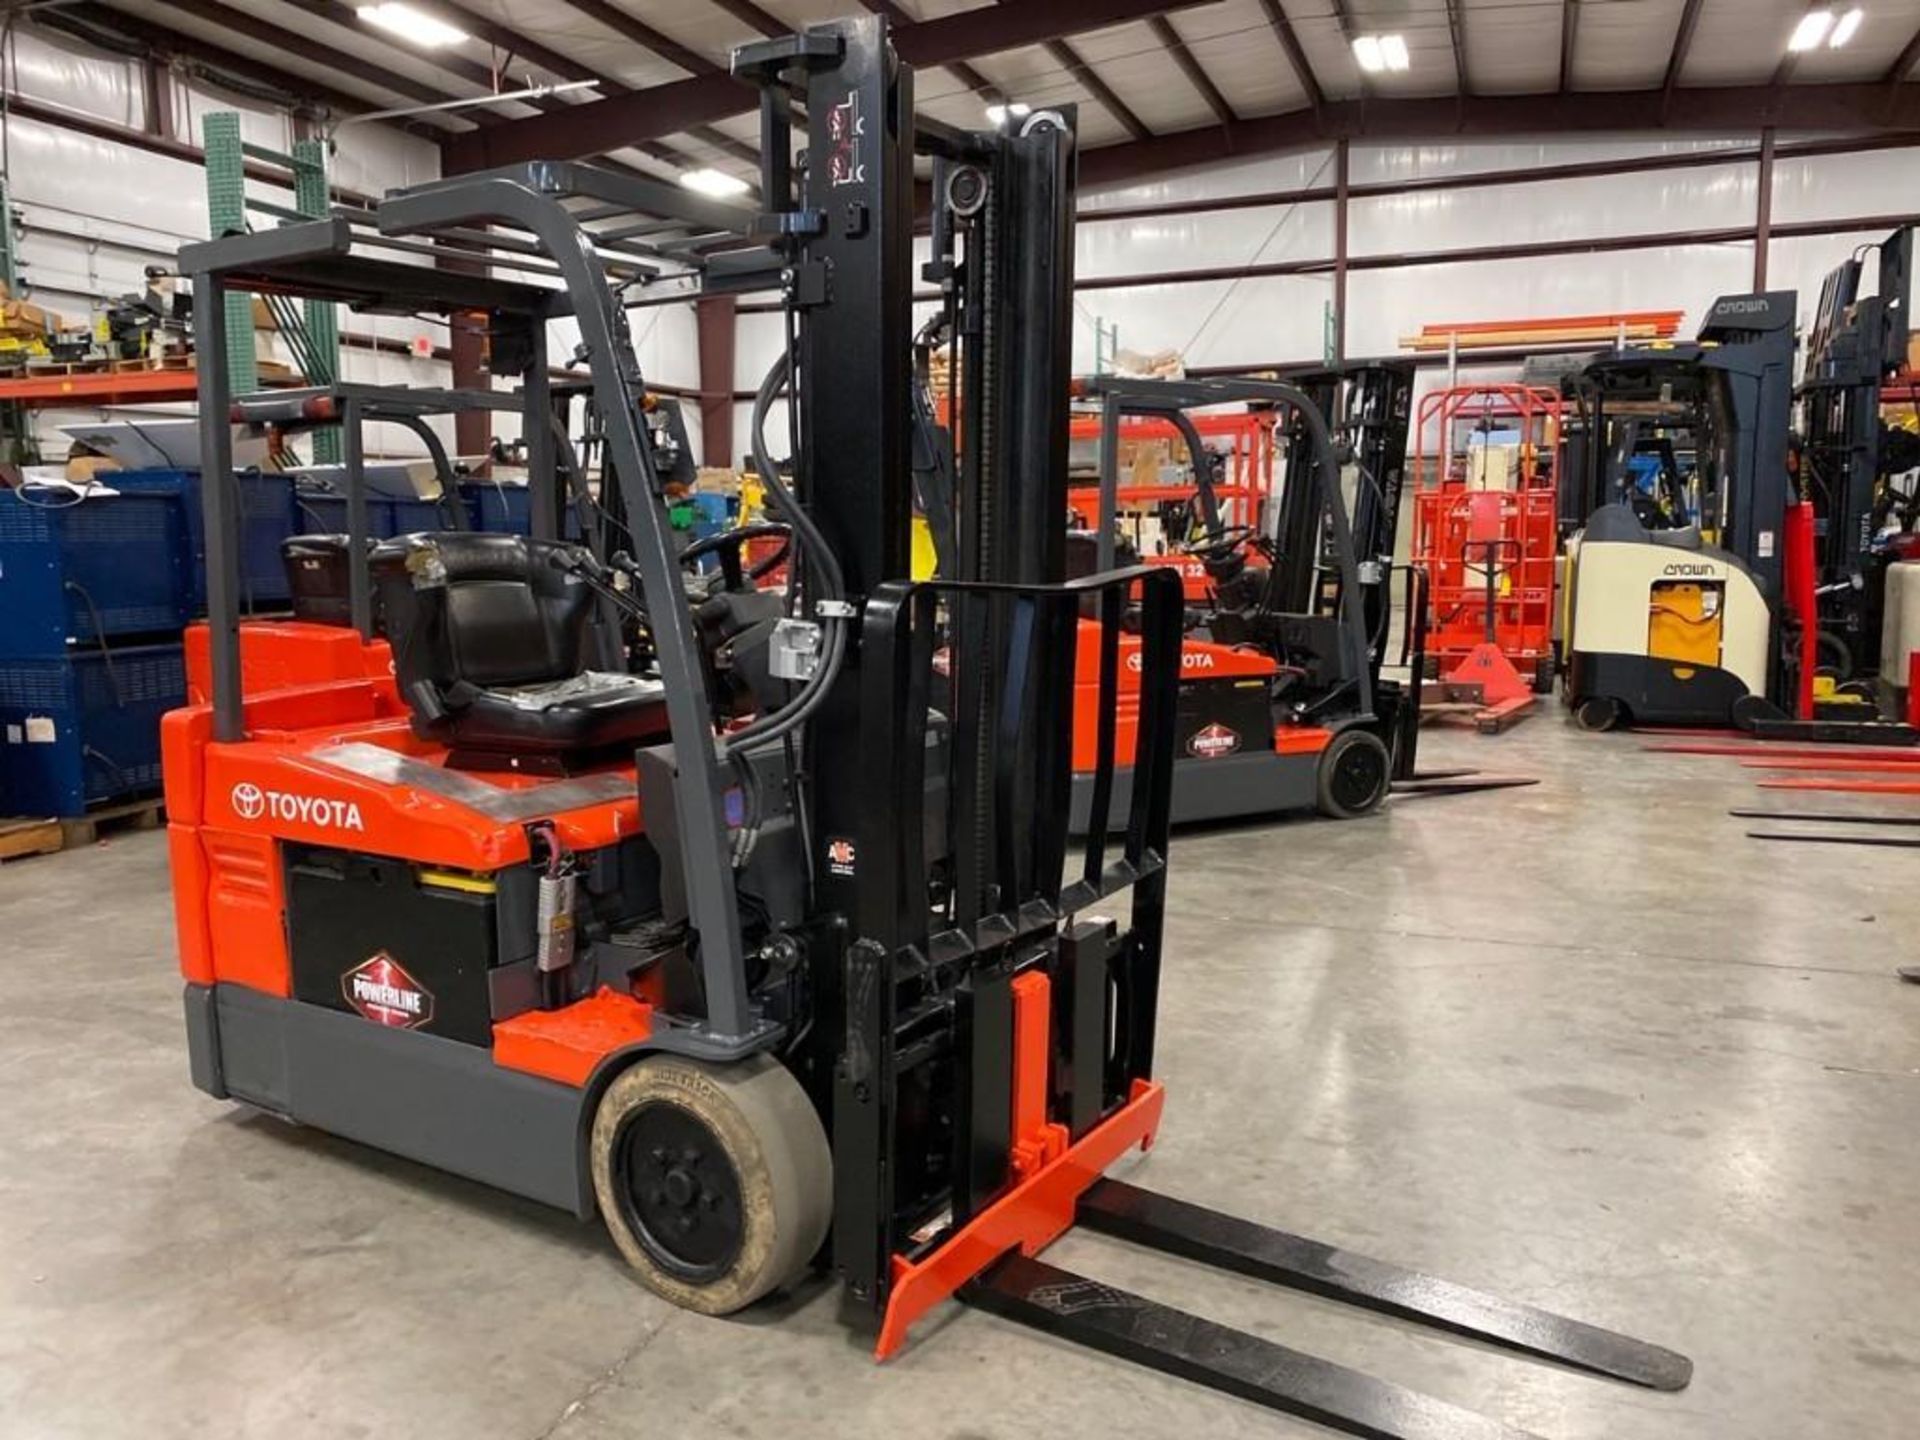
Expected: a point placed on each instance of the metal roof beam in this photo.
(161, 39)
(751, 15)
(631, 27)
(1903, 63)
(1569, 37)
(1457, 34)
(1196, 74)
(1677, 58)
(1296, 57)
(1076, 65)
(458, 14)
(306, 48)
(337, 12)
(1863, 108)
(664, 109)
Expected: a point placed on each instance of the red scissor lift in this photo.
(1488, 548)
(1247, 482)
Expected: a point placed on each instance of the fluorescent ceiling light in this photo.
(1811, 30)
(999, 114)
(410, 24)
(714, 182)
(1843, 32)
(1375, 53)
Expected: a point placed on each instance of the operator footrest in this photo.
(1196, 1233)
(1174, 1342)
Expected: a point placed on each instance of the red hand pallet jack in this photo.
(1485, 683)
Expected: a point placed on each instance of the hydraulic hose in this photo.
(826, 565)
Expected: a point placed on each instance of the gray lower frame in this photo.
(1261, 783)
(437, 1101)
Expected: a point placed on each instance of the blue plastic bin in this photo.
(266, 519)
(499, 509)
(323, 514)
(112, 565)
(85, 730)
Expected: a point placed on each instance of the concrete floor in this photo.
(1583, 1044)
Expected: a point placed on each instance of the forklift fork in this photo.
(1117, 1322)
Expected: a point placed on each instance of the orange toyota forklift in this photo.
(762, 940)
(1283, 704)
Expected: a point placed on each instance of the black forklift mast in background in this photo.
(1856, 342)
(1732, 388)
(1368, 408)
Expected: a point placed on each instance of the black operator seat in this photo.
(492, 649)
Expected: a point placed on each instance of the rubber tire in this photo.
(1749, 710)
(1338, 749)
(1598, 713)
(1545, 671)
(770, 1132)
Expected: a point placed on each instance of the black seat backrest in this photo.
(319, 579)
(470, 612)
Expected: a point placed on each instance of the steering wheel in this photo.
(728, 545)
(1218, 544)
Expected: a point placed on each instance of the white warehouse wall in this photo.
(1267, 320)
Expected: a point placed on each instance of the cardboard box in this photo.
(82, 469)
(1493, 467)
(1144, 462)
(21, 317)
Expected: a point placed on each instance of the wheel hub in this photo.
(681, 1193)
(1357, 776)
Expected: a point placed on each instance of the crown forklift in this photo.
(812, 978)
(1716, 601)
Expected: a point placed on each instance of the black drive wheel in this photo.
(1354, 775)
(1597, 712)
(715, 1180)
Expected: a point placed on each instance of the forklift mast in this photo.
(1747, 397)
(1368, 407)
(1855, 344)
(947, 780)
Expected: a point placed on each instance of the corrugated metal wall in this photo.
(1281, 319)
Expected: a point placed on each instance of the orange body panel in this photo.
(190, 923)
(285, 654)
(1194, 580)
(1199, 660)
(231, 804)
(246, 908)
(1301, 739)
(565, 1045)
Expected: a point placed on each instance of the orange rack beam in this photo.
(107, 387)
